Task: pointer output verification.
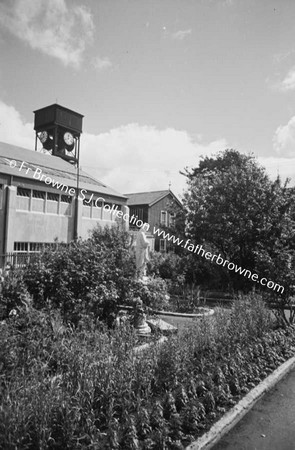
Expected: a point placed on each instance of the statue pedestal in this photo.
(162, 326)
(139, 320)
(143, 329)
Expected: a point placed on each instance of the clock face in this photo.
(68, 138)
(43, 136)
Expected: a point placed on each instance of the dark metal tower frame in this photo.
(56, 120)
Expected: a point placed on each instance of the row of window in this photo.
(35, 247)
(92, 203)
(31, 247)
(43, 202)
(100, 204)
(94, 209)
(29, 193)
(166, 219)
(53, 203)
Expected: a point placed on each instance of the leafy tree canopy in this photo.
(236, 210)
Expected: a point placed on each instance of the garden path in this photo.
(269, 425)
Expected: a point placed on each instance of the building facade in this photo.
(44, 198)
(155, 208)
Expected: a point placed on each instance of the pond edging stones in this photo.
(206, 313)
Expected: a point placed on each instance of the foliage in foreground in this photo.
(87, 388)
(88, 278)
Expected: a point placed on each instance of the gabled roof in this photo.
(52, 166)
(149, 198)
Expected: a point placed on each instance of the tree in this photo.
(185, 266)
(235, 210)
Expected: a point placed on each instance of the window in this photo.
(52, 205)
(23, 199)
(24, 252)
(97, 208)
(163, 218)
(35, 246)
(38, 201)
(23, 192)
(52, 197)
(106, 212)
(109, 205)
(86, 211)
(39, 194)
(171, 220)
(31, 247)
(66, 199)
(137, 212)
(163, 245)
(21, 246)
(65, 207)
(86, 202)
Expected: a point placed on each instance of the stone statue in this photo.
(120, 320)
(139, 319)
(142, 252)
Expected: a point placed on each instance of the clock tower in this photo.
(58, 129)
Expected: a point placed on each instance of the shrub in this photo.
(13, 292)
(27, 338)
(167, 266)
(153, 293)
(183, 274)
(172, 268)
(86, 277)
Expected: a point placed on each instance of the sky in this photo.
(160, 82)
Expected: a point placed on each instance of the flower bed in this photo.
(87, 388)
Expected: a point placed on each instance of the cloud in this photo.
(284, 139)
(279, 57)
(52, 27)
(285, 167)
(288, 84)
(280, 83)
(101, 63)
(13, 130)
(134, 158)
(128, 158)
(181, 34)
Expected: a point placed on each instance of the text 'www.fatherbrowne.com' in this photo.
(199, 250)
